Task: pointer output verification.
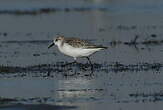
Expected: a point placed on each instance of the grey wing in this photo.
(78, 43)
(75, 42)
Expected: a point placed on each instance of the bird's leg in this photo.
(90, 63)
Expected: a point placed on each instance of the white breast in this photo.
(76, 52)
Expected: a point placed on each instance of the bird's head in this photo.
(57, 41)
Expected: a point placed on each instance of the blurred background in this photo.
(27, 24)
(127, 76)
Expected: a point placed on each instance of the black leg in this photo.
(90, 63)
(89, 60)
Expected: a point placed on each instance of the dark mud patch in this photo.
(3, 34)
(151, 39)
(48, 10)
(50, 70)
(10, 69)
(36, 42)
(44, 100)
(134, 41)
(122, 27)
(37, 107)
(36, 100)
(147, 97)
(118, 67)
(81, 90)
(6, 100)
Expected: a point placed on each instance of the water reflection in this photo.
(75, 90)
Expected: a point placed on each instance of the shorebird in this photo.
(76, 48)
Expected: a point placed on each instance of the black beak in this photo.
(50, 45)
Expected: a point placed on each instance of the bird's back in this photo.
(78, 43)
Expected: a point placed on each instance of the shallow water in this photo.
(128, 75)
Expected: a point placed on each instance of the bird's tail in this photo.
(102, 47)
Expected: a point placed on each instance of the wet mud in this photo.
(60, 67)
(52, 10)
(126, 76)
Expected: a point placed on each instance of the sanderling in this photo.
(76, 47)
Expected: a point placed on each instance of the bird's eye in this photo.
(56, 40)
